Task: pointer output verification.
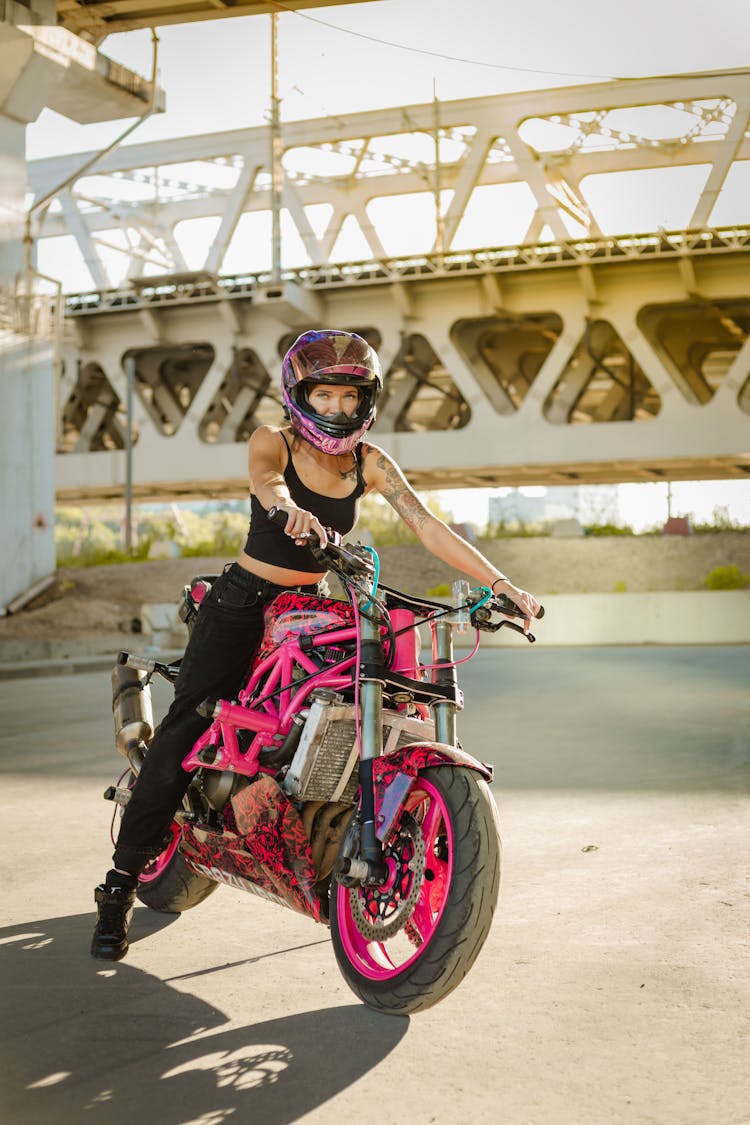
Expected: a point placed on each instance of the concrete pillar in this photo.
(42, 65)
(27, 441)
(12, 188)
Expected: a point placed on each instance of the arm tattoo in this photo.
(400, 496)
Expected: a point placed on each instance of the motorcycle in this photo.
(335, 784)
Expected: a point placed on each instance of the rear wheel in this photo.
(404, 946)
(168, 884)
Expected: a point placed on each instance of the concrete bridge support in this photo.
(42, 65)
(27, 420)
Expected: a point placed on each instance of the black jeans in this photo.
(226, 633)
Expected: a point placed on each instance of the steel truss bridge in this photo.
(571, 356)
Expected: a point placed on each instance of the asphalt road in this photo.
(613, 986)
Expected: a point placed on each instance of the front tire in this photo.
(444, 885)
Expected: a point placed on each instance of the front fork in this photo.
(444, 711)
(370, 868)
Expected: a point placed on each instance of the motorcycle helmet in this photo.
(341, 358)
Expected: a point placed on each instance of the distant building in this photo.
(547, 504)
(600, 504)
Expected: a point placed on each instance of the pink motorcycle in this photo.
(335, 784)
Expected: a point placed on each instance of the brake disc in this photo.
(380, 912)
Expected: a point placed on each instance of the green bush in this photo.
(516, 529)
(716, 527)
(726, 578)
(441, 591)
(607, 529)
(219, 533)
(92, 537)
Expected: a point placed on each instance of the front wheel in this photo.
(404, 946)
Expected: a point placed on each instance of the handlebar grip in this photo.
(278, 515)
(509, 606)
(137, 663)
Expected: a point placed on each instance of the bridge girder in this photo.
(594, 358)
(548, 140)
(575, 371)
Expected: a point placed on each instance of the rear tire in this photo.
(435, 948)
(169, 885)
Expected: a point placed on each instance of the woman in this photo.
(315, 470)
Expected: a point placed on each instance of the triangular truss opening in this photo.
(90, 419)
(697, 341)
(506, 353)
(419, 393)
(246, 399)
(167, 379)
(602, 382)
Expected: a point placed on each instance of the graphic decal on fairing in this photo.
(272, 850)
(300, 615)
(393, 775)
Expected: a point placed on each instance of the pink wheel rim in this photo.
(384, 960)
(159, 863)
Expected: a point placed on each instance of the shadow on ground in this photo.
(95, 1041)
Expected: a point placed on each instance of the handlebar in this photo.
(482, 616)
(148, 665)
(354, 561)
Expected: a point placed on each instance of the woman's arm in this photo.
(266, 467)
(382, 473)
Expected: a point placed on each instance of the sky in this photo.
(640, 506)
(217, 74)
(358, 57)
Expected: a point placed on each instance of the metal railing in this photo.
(25, 315)
(611, 249)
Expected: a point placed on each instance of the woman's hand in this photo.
(526, 602)
(300, 524)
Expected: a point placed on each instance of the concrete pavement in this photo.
(613, 987)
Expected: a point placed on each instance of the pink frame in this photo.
(277, 714)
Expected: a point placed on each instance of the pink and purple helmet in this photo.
(341, 358)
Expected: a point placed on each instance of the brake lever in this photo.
(482, 619)
(517, 629)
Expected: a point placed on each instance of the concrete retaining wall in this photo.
(664, 618)
(668, 618)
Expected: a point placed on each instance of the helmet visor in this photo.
(332, 358)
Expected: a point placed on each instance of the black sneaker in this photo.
(114, 915)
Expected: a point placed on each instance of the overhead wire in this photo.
(447, 58)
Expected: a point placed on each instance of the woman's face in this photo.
(330, 399)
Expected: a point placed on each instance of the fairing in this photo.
(272, 851)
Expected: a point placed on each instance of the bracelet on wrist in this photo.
(492, 587)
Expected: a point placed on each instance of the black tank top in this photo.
(268, 543)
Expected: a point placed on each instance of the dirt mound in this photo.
(94, 609)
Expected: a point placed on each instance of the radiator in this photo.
(325, 764)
